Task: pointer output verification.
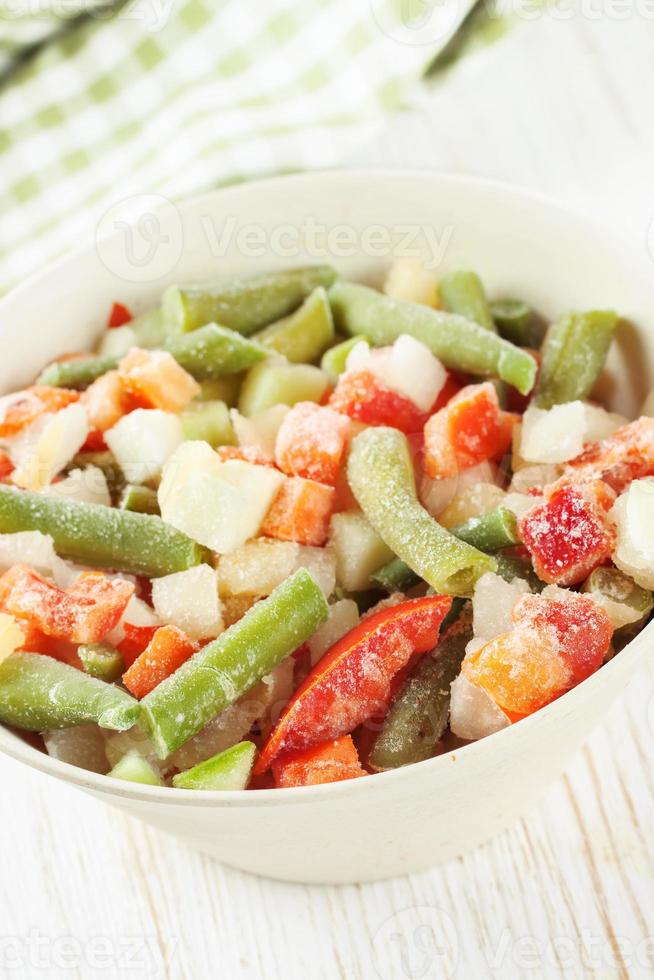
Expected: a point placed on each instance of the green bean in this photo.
(207, 354)
(514, 321)
(230, 769)
(149, 329)
(38, 693)
(462, 292)
(396, 576)
(380, 473)
(334, 360)
(492, 531)
(244, 305)
(100, 536)
(133, 768)
(304, 335)
(459, 343)
(418, 717)
(227, 668)
(573, 355)
(208, 422)
(101, 660)
(141, 500)
(271, 384)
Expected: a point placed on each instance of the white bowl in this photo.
(522, 245)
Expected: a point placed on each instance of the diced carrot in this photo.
(85, 613)
(168, 649)
(363, 397)
(329, 762)
(154, 379)
(312, 442)
(625, 456)
(472, 428)
(300, 512)
(119, 316)
(24, 407)
(571, 533)
(106, 401)
(135, 641)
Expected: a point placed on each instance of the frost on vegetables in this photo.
(288, 530)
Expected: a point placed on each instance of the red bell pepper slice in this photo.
(329, 762)
(135, 641)
(625, 456)
(569, 534)
(364, 398)
(119, 316)
(84, 613)
(353, 679)
(166, 652)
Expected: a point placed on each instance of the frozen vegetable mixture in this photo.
(291, 530)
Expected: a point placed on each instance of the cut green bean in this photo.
(38, 693)
(208, 422)
(304, 335)
(100, 536)
(334, 360)
(573, 355)
(222, 671)
(245, 305)
(462, 292)
(418, 717)
(380, 473)
(229, 770)
(274, 383)
(514, 321)
(396, 576)
(208, 354)
(142, 500)
(459, 343)
(492, 531)
(101, 660)
(133, 768)
(149, 329)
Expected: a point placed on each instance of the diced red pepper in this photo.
(581, 629)
(119, 316)
(166, 652)
(364, 398)
(352, 681)
(625, 456)
(135, 641)
(154, 379)
(326, 763)
(571, 533)
(471, 428)
(106, 401)
(85, 613)
(300, 512)
(312, 442)
(6, 467)
(26, 406)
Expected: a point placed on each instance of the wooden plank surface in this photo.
(563, 106)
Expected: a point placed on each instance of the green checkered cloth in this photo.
(177, 96)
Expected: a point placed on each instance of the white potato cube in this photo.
(473, 713)
(191, 456)
(358, 549)
(520, 503)
(259, 431)
(409, 280)
(137, 613)
(257, 567)
(633, 513)
(222, 505)
(321, 562)
(493, 603)
(343, 617)
(470, 502)
(555, 435)
(44, 448)
(189, 600)
(142, 442)
(601, 424)
(31, 548)
(88, 486)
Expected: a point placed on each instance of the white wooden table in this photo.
(563, 106)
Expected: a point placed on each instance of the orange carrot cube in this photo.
(155, 380)
(106, 401)
(24, 407)
(168, 649)
(300, 512)
(329, 762)
(312, 442)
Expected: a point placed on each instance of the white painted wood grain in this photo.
(563, 106)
